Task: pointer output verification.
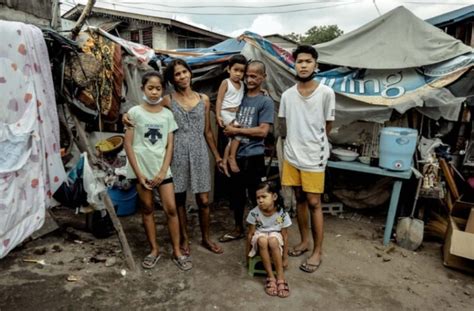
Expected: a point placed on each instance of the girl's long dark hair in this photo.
(272, 187)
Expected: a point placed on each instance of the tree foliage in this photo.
(317, 34)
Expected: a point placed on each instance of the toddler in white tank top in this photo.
(229, 98)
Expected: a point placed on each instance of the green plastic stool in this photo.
(256, 266)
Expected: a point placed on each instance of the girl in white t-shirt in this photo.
(268, 235)
(149, 148)
(229, 98)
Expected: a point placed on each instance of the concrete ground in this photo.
(357, 273)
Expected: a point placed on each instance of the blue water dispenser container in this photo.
(396, 148)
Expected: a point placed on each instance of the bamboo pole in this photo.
(84, 145)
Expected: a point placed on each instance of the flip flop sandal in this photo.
(230, 237)
(296, 252)
(271, 287)
(309, 268)
(283, 289)
(150, 261)
(183, 263)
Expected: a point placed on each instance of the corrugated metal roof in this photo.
(104, 8)
(452, 17)
(108, 26)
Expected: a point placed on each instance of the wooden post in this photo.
(56, 14)
(127, 252)
(449, 178)
(109, 206)
(82, 19)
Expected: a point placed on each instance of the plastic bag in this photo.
(71, 193)
(92, 185)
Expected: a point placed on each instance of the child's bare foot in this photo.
(234, 167)
(298, 250)
(225, 168)
(213, 247)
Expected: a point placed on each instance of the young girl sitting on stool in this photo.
(268, 235)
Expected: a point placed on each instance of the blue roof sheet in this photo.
(216, 52)
(452, 17)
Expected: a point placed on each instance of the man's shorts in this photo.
(312, 182)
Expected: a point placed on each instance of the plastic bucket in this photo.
(125, 201)
(396, 148)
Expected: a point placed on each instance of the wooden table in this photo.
(397, 186)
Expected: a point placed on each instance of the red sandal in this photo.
(271, 287)
(283, 289)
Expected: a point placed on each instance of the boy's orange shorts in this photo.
(312, 182)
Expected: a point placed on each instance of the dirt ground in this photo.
(356, 273)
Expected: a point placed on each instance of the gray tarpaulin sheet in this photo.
(395, 40)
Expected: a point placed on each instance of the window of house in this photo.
(142, 36)
(135, 36)
(190, 44)
(147, 37)
(184, 43)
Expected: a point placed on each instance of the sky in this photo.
(233, 17)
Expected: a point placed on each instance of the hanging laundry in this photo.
(110, 79)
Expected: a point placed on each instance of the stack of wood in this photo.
(457, 230)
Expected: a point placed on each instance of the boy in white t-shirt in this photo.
(229, 98)
(307, 110)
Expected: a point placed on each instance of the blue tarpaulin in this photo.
(216, 53)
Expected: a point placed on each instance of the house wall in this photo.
(92, 21)
(39, 9)
(171, 41)
(160, 38)
(35, 14)
(163, 36)
(463, 31)
(159, 35)
(136, 25)
(195, 43)
(203, 44)
(125, 33)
